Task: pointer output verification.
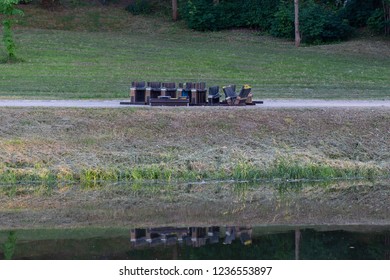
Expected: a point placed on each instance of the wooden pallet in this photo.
(168, 102)
(180, 102)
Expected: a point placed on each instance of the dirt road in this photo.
(279, 103)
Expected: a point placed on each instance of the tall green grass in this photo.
(288, 169)
(280, 169)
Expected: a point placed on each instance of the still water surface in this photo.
(130, 221)
(198, 243)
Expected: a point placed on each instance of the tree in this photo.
(297, 34)
(386, 10)
(7, 8)
(297, 242)
(174, 10)
(51, 4)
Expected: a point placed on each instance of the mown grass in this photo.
(184, 144)
(97, 52)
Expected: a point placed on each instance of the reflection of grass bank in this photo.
(88, 146)
(72, 233)
(139, 205)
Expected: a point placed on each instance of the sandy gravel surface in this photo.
(279, 103)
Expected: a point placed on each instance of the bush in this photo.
(200, 15)
(8, 11)
(320, 24)
(283, 21)
(138, 7)
(205, 15)
(357, 12)
(317, 23)
(376, 22)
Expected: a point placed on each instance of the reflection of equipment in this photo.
(213, 235)
(137, 237)
(192, 236)
(243, 233)
(245, 238)
(230, 235)
(198, 236)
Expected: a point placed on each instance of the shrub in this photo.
(200, 15)
(139, 7)
(376, 22)
(205, 15)
(317, 23)
(283, 22)
(357, 12)
(261, 12)
(8, 9)
(320, 24)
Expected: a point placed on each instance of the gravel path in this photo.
(279, 103)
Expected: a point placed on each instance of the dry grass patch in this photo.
(194, 143)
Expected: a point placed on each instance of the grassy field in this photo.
(88, 146)
(97, 52)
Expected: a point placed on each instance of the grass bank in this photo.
(95, 52)
(89, 146)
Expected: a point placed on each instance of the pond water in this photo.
(198, 243)
(220, 220)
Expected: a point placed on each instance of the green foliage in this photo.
(140, 7)
(206, 15)
(366, 13)
(9, 246)
(357, 12)
(8, 39)
(376, 21)
(320, 20)
(261, 11)
(283, 23)
(7, 8)
(317, 23)
(201, 15)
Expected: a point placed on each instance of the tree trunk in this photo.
(50, 4)
(386, 11)
(297, 243)
(174, 10)
(297, 34)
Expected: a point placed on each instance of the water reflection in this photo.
(214, 242)
(190, 236)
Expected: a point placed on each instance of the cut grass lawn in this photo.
(97, 52)
(89, 146)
